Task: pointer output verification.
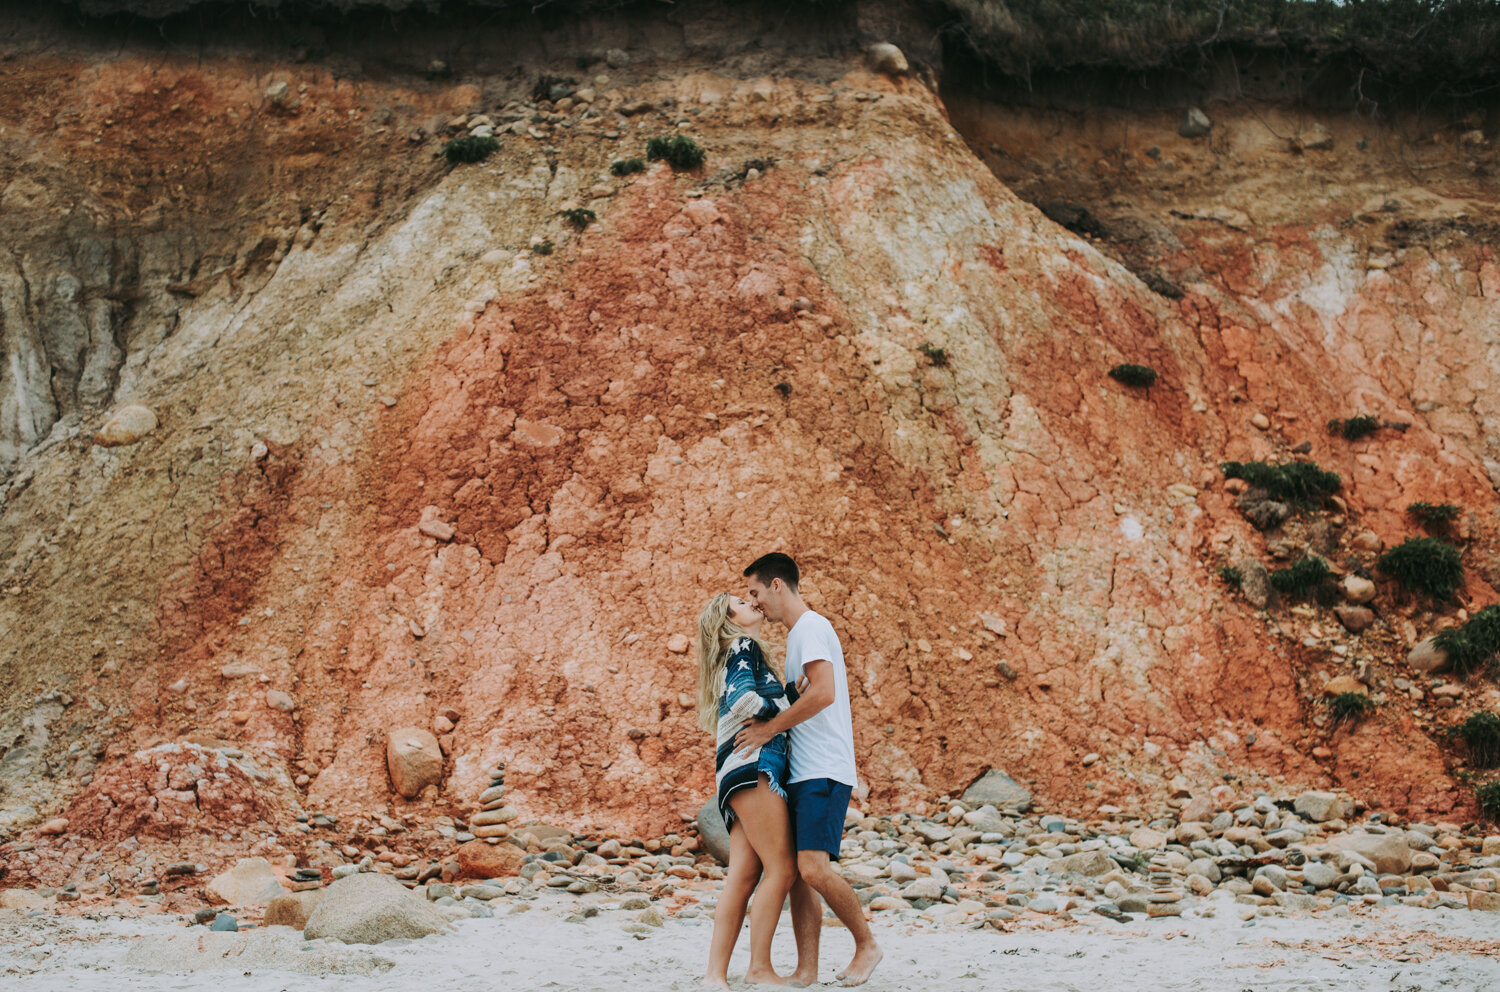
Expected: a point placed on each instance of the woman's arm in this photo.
(742, 700)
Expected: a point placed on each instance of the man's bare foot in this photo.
(714, 983)
(799, 980)
(767, 977)
(862, 967)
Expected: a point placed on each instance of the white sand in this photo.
(1445, 949)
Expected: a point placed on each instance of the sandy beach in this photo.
(1387, 948)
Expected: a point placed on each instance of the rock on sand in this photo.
(414, 759)
(367, 908)
(251, 882)
(999, 790)
(712, 831)
(477, 859)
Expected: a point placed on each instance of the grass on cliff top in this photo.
(1481, 737)
(1487, 798)
(469, 149)
(679, 151)
(1302, 483)
(1441, 39)
(1349, 707)
(1301, 577)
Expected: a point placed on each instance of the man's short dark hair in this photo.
(774, 566)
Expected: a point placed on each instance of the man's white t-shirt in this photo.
(822, 746)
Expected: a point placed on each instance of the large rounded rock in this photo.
(1428, 657)
(126, 425)
(251, 882)
(888, 59)
(368, 908)
(293, 909)
(712, 832)
(478, 859)
(1318, 807)
(1387, 852)
(414, 759)
(1000, 791)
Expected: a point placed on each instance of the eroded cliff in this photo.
(430, 454)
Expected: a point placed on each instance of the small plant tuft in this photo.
(937, 356)
(1469, 648)
(1231, 576)
(1301, 577)
(1487, 797)
(1349, 707)
(626, 166)
(679, 151)
(579, 217)
(1433, 514)
(1425, 564)
(542, 248)
(1141, 376)
(1481, 736)
(784, 388)
(1302, 483)
(470, 149)
(1353, 428)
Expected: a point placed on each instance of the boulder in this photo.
(368, 908)
(1091, 863)
(1147, 839)
(1341, 684)
(477, 859)
(1319, 875)
(292, 909)
(1255, 582)
(251, 882)
(414, 759)
(1194, 124)
(126, 425)
(1387, 852)
(21, 899)
(1200, 809)
(1354, 618)
(1358, 590)
(712, 832)
(888, 59)
(999, 790)
(1428, 657)
(1318, 807)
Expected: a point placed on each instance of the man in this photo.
(822, 767)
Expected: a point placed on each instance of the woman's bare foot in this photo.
(862, 967)
(767, 977)
(714, 983)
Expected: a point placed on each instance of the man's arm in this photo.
(816, 698)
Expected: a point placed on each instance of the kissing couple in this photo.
(785, 771)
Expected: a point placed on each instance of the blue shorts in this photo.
(817, 807)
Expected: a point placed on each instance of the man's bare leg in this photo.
(818, 872)
(807, 927)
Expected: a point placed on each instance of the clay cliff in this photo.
(429, 453)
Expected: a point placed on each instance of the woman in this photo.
(736, 684)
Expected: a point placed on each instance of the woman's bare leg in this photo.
(729, 917)
(769, 830)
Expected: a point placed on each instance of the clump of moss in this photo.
(1425, 564)
(1487, 798)
(1302, 483)
(579, 217)
(1354, 428)
(1301, 577)
(1481, 737)
(678, 150)
(542, 248)
(937, 356)
(1231, 575)
(1433, 514)
(469, 149)
(626, 166)
(1470, 647)
(1141, 376)
(1349, 707)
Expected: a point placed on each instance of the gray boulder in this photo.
(1194, 124)
(368, 908)
(712, 832)
(1091, 863)
(1318, 807)
(1000, 791)
(1428, 657)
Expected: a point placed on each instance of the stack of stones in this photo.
(492, 823)
(1166, 896)
(305, 879)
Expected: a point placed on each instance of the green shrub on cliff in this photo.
(678, 150)
(1142, 376)
(470, 149)
(1301, 577)
(1303, 483)
(1349, 707)
(1433, 514)
(1470, 647)
(1425, 564)
(1353, 428)
(579, 217)
(1481, 737)
(626, 166)
(1487, 798)
(937, 356)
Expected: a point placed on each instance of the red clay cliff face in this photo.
(504, 493)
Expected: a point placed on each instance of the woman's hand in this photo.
(802, 684)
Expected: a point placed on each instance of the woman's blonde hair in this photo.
(716, 632)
